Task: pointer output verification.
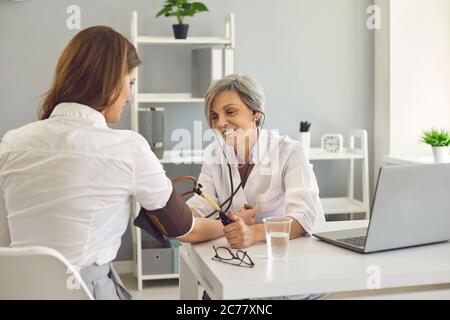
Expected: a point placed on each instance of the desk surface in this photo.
(315, 266)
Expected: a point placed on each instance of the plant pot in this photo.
(180, 31)
(305, 139)
(441, 154)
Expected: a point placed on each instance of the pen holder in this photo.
(305, 139)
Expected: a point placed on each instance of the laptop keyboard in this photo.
(354, 241)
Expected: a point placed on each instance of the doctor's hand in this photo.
(247, 213)
(239, 235)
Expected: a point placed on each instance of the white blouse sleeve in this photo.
(152, 188)
(302, 192)
(207, 182)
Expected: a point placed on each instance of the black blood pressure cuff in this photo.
(174, 220)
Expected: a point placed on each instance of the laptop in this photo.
(411, 207)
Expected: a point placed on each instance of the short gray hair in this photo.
(247, 89)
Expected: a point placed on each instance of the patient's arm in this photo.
(204, 229)
(195, 212)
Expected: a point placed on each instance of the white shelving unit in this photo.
(190, 40)
(349, 204)
(168, 98)
(228, 42)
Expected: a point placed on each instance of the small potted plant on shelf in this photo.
(440, 143)
(181, 9)
(304, 136)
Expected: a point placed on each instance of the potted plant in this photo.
(440, 143)
(181, 9)
(304, 136)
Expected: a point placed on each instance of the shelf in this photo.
(189, 40)
(196, 156)
(320, 154)
(185, 156)
(342, 205)
(168, 98)
(160, 276)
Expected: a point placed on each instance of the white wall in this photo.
(420, 71)
(382, 87)
(412, 75)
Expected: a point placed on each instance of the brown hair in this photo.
(91, 70)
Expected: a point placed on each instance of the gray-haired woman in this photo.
(273, 172)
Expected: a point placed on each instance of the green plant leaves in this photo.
(199, 7)
(436, 138)
(181, 9)
(164, 11)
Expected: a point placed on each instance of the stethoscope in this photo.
(219, 208)
(197, 189)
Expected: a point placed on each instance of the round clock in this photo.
(332, 142)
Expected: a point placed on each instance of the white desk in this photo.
(313, 266)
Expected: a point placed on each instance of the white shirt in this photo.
(67, 183)
(282, 181)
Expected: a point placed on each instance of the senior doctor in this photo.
(273, 173)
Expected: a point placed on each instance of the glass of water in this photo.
(277, 236)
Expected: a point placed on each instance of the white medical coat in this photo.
(282, 181)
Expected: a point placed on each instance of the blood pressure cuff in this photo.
(174, 220)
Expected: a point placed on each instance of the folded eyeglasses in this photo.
(240, 258)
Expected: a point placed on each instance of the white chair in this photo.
(39, 273)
